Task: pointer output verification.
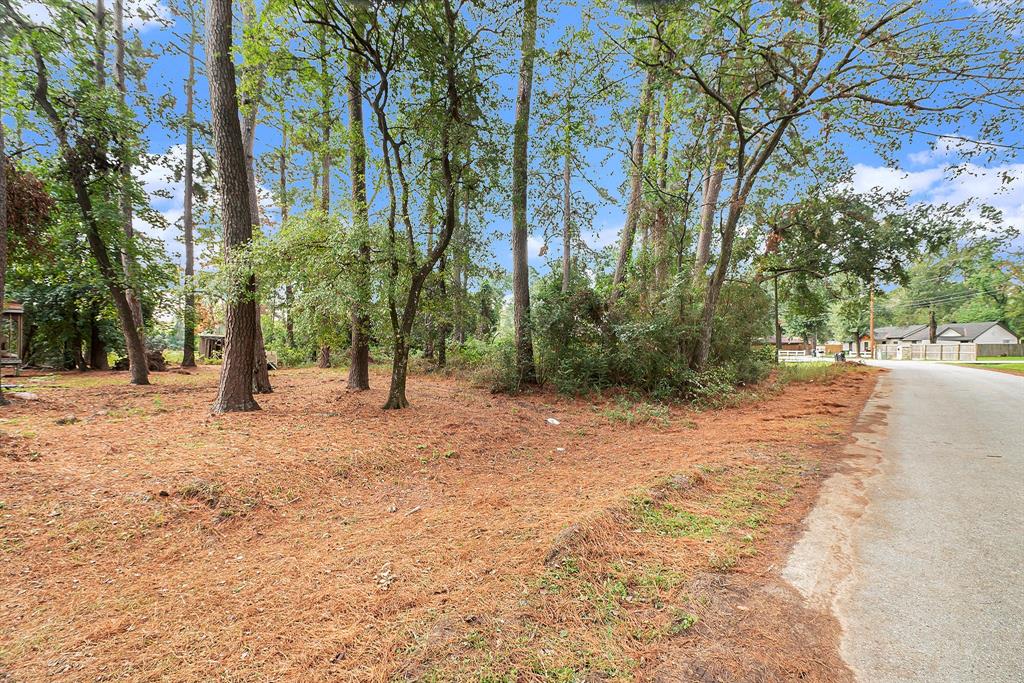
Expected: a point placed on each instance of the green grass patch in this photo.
(668, 520)
(639, 413)
(1009, 367)
(810, 372)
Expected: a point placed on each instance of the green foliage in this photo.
(582, 348)
(977, 278)
(491, 364)
(810, 372)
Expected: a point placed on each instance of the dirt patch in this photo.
(326, 538)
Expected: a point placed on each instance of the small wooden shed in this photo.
(211, 345)
(12, 335)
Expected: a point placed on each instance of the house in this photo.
(789, 343)
(914, 341)
(898, 335)
(965, 333)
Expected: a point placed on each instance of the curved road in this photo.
(919, 547)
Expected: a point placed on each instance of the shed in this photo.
(211, 345)
(12, 335)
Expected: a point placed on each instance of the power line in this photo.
(948, 299)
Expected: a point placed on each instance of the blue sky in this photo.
(922, 170)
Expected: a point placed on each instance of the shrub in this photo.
(639, 345)
(583, 348)
(490, 364)
(288, 357)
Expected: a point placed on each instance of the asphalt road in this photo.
(918, 548)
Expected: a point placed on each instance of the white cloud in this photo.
(140, 15)
(948, 145)
(605, 235)
(167, 197)
(868, 178)
(1000, 186)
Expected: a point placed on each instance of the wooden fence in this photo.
(1000, 350)
(955, 352)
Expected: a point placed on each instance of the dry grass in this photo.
(463, 539)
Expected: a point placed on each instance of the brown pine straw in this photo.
(325, 539)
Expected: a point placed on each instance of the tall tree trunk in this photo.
(138, 363)
(660, 230)
(359, 363)
(443, 328)
(399, 374)
(97, 349)
(325, 162)
(3, 231)
(260, 375)
(289, 326)
(635, 188)
(127, 259)
(714, 288)
(79, 178)
(711, 190)
(261, 368)
(460, 274)
(566, 218)
(289, 295)
(100, 44)
(525, 366)
(188, 357)
(235, 389)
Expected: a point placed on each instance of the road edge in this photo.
(820, 564)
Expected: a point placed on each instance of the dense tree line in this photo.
(346, 178)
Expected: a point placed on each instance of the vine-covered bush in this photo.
(582, 346)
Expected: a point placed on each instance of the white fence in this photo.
(955, 352)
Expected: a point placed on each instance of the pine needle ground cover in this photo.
(469, 538)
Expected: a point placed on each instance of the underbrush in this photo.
(583, 348)
(812, 372)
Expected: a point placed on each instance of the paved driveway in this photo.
(919, 547)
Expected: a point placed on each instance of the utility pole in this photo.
(871, 319)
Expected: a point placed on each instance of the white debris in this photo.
(553, 421)
(384, 577)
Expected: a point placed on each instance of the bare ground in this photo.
(466, 538)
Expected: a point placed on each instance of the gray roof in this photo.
(963, 331)
(898, 332)
(921, 334)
